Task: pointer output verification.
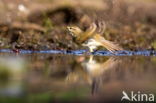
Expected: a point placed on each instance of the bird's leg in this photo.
(92, 49)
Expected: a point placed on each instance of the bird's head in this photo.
(74, 30)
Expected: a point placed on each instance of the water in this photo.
(45, 77)
(82, 52)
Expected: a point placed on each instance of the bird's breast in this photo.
(92, 42)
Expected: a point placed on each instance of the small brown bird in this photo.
(92, 38)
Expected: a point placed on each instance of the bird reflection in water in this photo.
(92, 71)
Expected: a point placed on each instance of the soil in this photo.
(41, 25)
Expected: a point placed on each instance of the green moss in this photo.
(4, 73)
(153, 59)
(154, 44)
(47, 23)
(141, 39)
(11, 100)
(40, 98)
(72, 95)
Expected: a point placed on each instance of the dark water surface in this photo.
(49, 78)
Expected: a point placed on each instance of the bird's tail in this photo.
(112, 47)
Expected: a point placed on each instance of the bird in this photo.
(92, 37)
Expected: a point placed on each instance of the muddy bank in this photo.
(41, 25)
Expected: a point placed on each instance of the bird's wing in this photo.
(101, 26)
(88, 33)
